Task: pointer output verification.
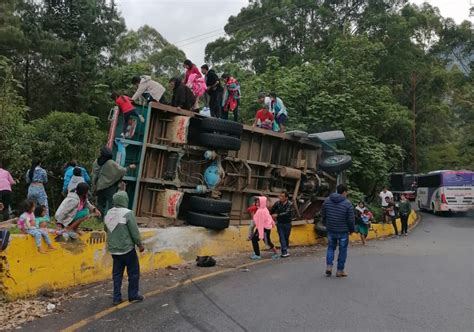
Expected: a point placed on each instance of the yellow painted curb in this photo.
(24, 272)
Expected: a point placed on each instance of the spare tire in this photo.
(217, 141)
(336, 163)
(208, 221)
(210, 205)
(222, 126)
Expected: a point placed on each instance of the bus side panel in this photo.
(426, 196)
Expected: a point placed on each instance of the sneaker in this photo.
(255, 257)
(329, 271)
(142, 119)
(341, 274)
(275, 256)
(118, 302)
(139, 298)
(406, 234)
(285, 255)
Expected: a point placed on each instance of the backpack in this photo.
(205, 261)
(4, 239)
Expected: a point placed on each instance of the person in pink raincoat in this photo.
(198, 85)
(263, 227)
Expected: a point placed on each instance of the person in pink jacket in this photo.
(6, 182)
(263, 227)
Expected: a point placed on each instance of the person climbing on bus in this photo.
(182, 97)
(126, 108)
(191, 68)
(147, 89)
(279, 112)
(231, 98)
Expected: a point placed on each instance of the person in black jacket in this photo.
(214, 90)
(183, 96)
(338, 216)
(282, 214)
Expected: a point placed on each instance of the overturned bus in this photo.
(206, 172)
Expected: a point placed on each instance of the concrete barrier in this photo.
(25, 272)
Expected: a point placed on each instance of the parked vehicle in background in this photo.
(446, 191)
(403, 183)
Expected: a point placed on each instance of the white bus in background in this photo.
(446, 191)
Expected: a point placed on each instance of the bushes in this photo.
(60, 137)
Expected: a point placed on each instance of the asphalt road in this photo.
(423, 282)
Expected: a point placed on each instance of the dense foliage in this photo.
(373, 68)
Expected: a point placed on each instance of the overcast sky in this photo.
(191, 24)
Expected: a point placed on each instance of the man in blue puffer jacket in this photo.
(338, 216)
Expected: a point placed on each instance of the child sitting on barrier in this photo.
(263, 224)
(41, 219)
(26, 224)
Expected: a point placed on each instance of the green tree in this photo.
(15, 138)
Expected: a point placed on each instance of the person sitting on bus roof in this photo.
(279, 112)
(264, 119)
(183, 96)
(147, 89)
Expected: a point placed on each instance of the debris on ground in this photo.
(16, 313)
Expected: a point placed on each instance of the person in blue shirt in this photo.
(68, 173)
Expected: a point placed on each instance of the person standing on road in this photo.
(383, 198)
(391, 215)
(263, 224)
(106, 177)
(6, 183)
(122, 237)
(338, 216)
(404, 210)
(281, 212)
(362, 221)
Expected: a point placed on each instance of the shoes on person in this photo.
(329, 271)
(275, 256)
(139, 298)
(255, 257)
(285, 255)
(117, 302)
(341, 274)
(406, 234)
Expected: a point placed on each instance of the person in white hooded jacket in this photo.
(147, 89)
(75, 208)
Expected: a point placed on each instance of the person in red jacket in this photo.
(190, 69)
(126, 107)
